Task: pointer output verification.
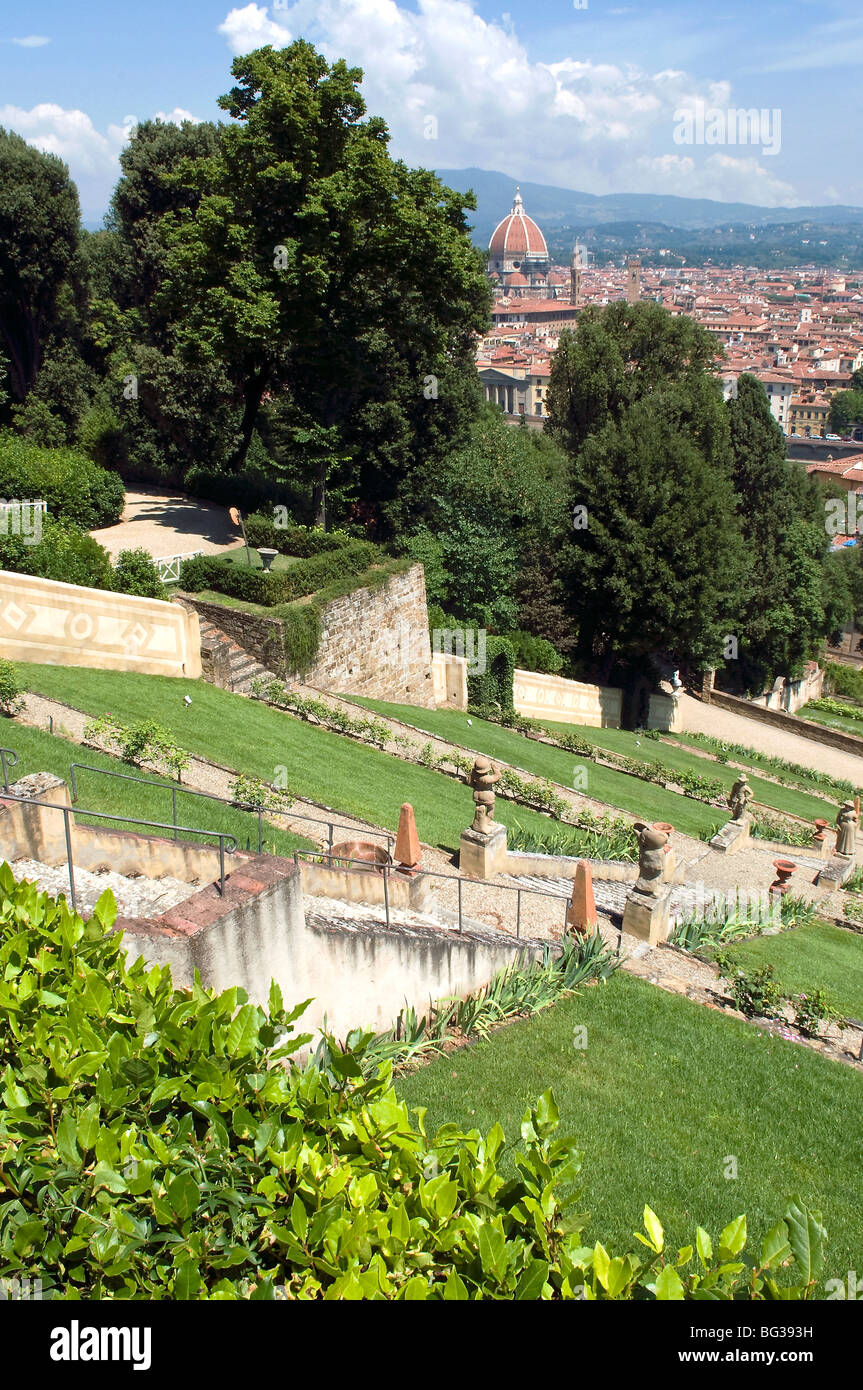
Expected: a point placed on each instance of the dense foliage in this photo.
(157, 1143)
(75, 489)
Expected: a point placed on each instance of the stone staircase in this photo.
(225, 663)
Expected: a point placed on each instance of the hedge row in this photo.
(74, 487)
(276, 586)
(261, 530)
(493, 685)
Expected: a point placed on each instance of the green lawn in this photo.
(832, 721)
(665, 1091)
(618, 789)
(250, 737)
(818, 956)
(39, 751)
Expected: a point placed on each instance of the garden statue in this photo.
(846, 830)
(482, 778)
(651, 857)
(739, 797)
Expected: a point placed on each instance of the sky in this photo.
(594, 95)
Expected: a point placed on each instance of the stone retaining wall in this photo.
(791, 723)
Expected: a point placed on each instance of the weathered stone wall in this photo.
(449, 675)
(59, 624)
(263, 638)
(375, 642)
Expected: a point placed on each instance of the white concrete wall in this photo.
(539, 696)
(449, 674)
(43, 620)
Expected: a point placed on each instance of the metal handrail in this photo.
(386, 870)
(13, 759)
(224, 801)
(227, 843)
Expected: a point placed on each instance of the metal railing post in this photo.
(329, 844)
(387, 892)
(66, 814)
(518, 916)
(260, 829)
(222, 865)
(174, 809)
(459, 903)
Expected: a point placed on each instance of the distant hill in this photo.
(556, 208)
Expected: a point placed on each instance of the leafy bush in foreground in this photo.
(157, 1143)
(75, 488)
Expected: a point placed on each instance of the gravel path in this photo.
(169, 523)
(736, 728)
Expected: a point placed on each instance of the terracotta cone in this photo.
(581, 913)
(407, 839)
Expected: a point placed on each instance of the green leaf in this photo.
(653, 1227)
(88, 1126)
(106, 910)
(668, 1286)
(183, 1195)
(775, 1247)
(532, 1279)
(492, 1251)
(67, 1141)
(704, 1246)
(806, 1237)
(242, 1035)
(733, 1238)
(455, 1289)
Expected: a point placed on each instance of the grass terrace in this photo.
(39, 751)
(252, 738)
(817, 956)
(662, 1094)
(618, 789)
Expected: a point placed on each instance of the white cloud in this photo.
(177, 116)
(251, 27)
(594, 126)
(724, 177)
(92, 155)
(31, 41)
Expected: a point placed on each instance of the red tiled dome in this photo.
(515, 277)
(518, 234)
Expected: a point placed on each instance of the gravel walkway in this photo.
(736, 728)
(169, 523)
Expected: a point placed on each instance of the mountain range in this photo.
(556, 208)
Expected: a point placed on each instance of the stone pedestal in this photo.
(732, 837)
(646, 916)
(836, 871)
(482, 854)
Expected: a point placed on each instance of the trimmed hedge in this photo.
(75, 488)
(64, 553)
(276, 586)
(493, 686)
(304, 541)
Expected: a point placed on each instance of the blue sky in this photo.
(589, 98)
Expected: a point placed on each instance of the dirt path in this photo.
(736, 728)
(166, 522)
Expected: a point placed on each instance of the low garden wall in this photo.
(538, 696)
(792, 723)
(43, 620)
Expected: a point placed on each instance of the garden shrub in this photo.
(143, 741)
(159, 1143)
(493, 686)
(11, 690)
(305, 541)
(845, 680)
(64, 553)
(827, 706)
(534, 653)
(75, 488)
(302, 628)
(135, 572)
(277, 586)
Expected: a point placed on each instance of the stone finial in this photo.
(407, 851)
(581, 913)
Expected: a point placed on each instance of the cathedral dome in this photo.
(517, 237)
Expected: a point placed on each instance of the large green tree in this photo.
(315, 266)
(39, 226)
(622, 353)
(782, 519)
(655, 561)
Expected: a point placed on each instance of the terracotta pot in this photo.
(784, 869)
(373, 858)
